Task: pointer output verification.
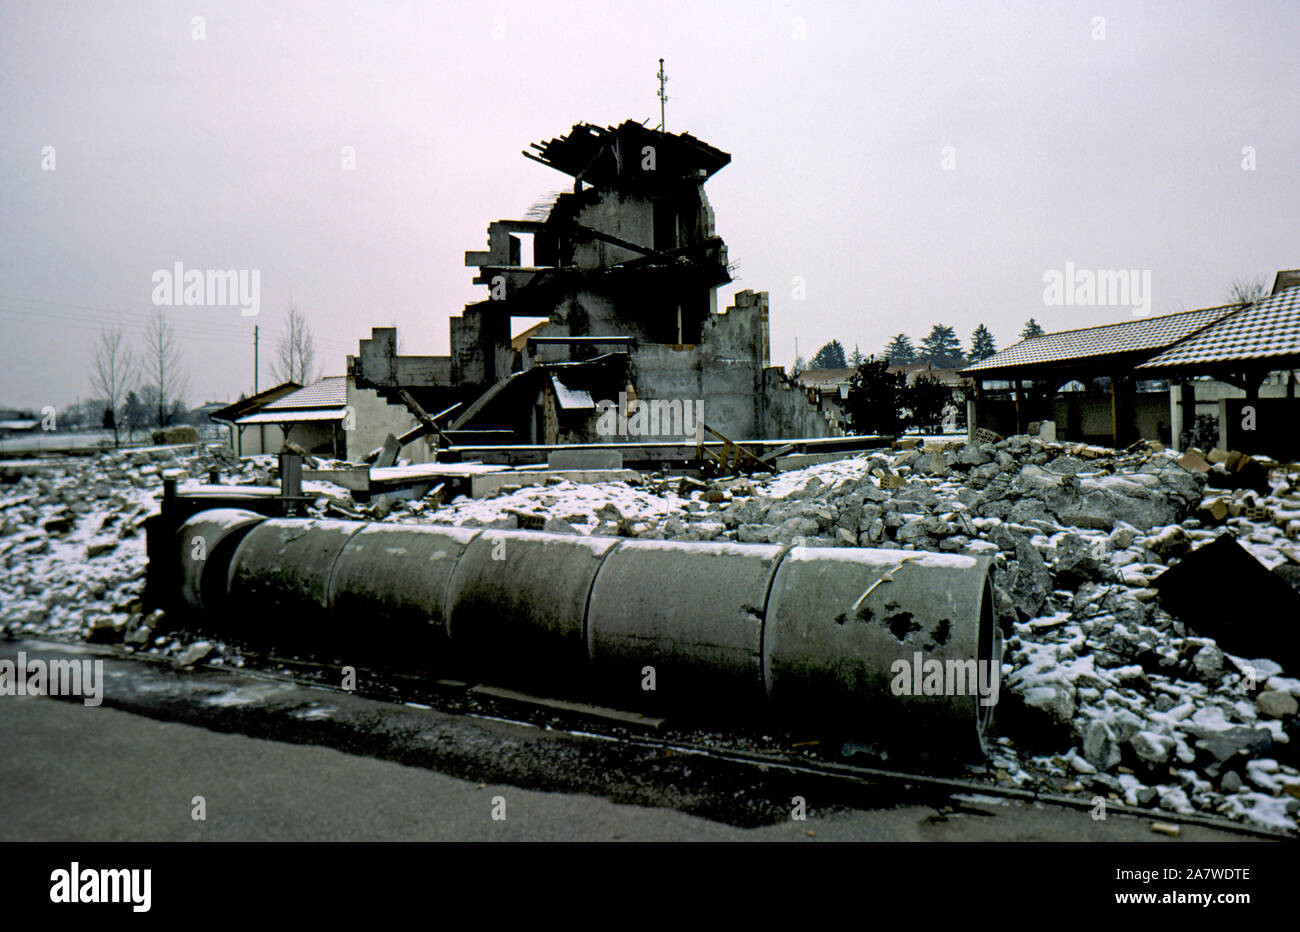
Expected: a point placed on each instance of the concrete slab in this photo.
(800, 460)
(354, 480)
(486, 484)
(585, 459)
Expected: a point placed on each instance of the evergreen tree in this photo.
(856, 359)
(876, 399)
(830, 356)
(900, 350)
(926, 398)
(981, 344)
(135, 413)
(941, 349)
(1031, 330)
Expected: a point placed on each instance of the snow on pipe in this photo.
(884, 641)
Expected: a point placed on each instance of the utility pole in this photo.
(663, 98)
(261, 430)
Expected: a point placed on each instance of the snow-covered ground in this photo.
(1117, 698)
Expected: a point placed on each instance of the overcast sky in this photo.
(226, 152)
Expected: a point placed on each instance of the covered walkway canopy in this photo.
(1238, 344)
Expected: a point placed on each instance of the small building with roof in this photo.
(1152, 378)
(330, 417)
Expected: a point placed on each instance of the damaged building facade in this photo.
(625, 270)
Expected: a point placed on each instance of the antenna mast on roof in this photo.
(663, 98)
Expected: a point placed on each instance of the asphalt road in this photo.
(76, 773)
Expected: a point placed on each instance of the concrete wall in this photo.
(316, 437)
(373, 419)
(257, 438)
(787, 410)
(728, 370)
(620, 214)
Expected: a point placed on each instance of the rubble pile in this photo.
(1107, 693)
(72, 542)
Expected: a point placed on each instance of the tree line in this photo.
(136, 390)
(940, 349)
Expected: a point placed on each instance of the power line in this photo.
(130, 326)
(16, 299)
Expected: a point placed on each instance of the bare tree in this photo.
(1247, 290)
(114, 366)
(296, 353)
(162, 364)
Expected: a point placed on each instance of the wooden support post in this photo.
(1114, 411)
(1188, 389)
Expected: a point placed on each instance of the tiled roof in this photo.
(1151, 333)
(329, 392)
(1266, 329)
(254, 402)
(281, 416)
(812, 377)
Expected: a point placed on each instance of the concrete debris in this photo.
(1277, 703)
(1147, 650)
(196, 652)
(1209, 586)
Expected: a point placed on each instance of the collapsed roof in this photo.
(604, 156)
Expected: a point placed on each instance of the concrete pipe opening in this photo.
(205, 545)
(897, 647)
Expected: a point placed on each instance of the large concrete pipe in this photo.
(518, 603)
(399, 571)
(884, 642)
(389, 588)
(902, 643)
(692, 612)
(280, 581)
(204, 546)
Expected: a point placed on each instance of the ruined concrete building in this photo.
(625, 269)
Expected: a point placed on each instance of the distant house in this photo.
(829, 388)
(201, 418)
(17, 422)
(265, 438)
(330, 417)
(914, 370)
